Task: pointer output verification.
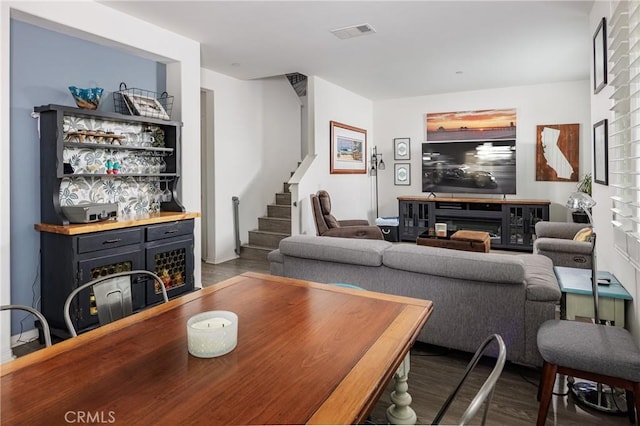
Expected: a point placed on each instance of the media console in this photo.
(510, 223)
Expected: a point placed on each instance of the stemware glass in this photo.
(166, 194)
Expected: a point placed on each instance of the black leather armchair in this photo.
(329, 226)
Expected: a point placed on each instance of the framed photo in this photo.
(402, 149)
(600, 57)
(348, 149)
(145, 106)
(601, 153)
(402, 174)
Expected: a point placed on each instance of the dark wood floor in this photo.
(435, 371)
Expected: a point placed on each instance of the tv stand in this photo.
(510, 223)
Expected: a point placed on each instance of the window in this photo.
(624, 131)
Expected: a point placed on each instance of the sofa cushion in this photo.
(331, 249)
(484, 267)
(542, 284)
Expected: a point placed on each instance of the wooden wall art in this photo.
(557, 152)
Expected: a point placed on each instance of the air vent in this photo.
(353, 31)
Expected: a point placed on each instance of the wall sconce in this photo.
(376, 164)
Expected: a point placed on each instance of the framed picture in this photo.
(600, 56)
(402, 149)
(348, 149)
(402, 174)
(600, 153)
(145, 106)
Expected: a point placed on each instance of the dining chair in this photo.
(112, 295)
(485, 393)
(46, 332)
(603, 354)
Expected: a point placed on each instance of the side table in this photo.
(577, 297)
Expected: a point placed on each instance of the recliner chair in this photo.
(328, 226)
(555, 240)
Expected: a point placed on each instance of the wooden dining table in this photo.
(306, 353)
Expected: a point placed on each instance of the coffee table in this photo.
(306, 353)
(460, 240)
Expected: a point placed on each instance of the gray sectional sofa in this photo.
(474, 294)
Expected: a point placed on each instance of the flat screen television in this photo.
(479, 166)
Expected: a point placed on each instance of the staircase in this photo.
(277, 224)
(271, 228)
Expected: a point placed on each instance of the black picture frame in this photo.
(402, 174)
(600, 57)
(601, 152)
(402, 149)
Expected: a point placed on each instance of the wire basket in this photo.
(143, 102)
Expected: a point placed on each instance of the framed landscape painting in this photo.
(348, 149)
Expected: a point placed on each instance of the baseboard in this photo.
(7, 355)
(24, 337)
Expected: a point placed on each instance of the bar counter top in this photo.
(85, 228)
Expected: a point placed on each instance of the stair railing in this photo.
(236, 222)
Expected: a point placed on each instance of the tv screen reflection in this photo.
(484, 167)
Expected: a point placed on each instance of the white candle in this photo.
(212, 334)
(212, 323)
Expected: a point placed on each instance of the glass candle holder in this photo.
(211, 334)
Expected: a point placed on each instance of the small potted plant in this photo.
(584, 185)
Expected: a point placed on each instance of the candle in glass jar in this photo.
(216, 322)
(212, 334)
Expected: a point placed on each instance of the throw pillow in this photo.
(583, 235)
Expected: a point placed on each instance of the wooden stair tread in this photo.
(269, 232)
(253, 246)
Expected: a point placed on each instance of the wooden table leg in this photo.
(400, 413)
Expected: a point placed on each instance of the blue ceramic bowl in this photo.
(86, 98)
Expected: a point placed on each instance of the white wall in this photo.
(5, 199)
(111, 28)
(256, 146)
(608, 258)
(350, 193)
(560, 103)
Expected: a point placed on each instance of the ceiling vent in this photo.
(353, 31)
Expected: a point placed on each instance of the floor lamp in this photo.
(590, 394)
(376, 164)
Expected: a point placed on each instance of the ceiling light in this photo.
(353, 31)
